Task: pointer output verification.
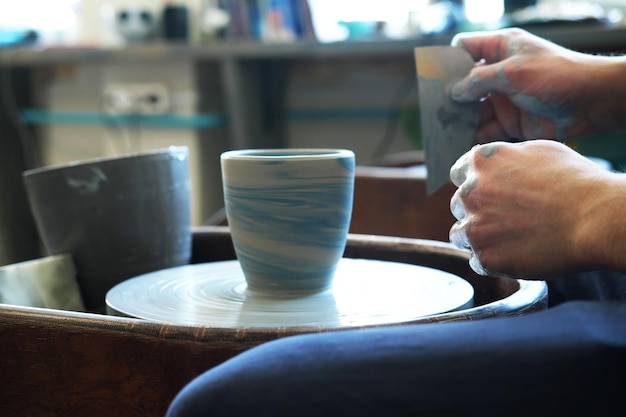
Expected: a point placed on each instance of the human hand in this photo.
(537, 209)
(532, 88)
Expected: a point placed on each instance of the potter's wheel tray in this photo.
(365, 292)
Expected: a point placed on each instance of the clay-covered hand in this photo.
(532, 88)
(536, 210)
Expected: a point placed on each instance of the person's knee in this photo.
(209, 393)
(244, 385)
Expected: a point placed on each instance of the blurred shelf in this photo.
(253, 77)
(200, 121)
(594, 37)
(216, 51)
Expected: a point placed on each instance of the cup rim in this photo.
(104, 159)
(287, 153)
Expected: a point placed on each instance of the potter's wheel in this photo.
(364, 293)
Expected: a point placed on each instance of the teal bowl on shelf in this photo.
(359, 30)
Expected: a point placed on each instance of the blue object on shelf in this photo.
(24, 37)
(200, 121)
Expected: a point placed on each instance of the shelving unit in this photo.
(252, 75)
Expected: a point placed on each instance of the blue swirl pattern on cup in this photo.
(289, 212)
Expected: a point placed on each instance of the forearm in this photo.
(606, 86)
(601, 236)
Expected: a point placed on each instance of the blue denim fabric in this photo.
(567, 360)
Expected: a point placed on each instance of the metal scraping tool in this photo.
(448, 127)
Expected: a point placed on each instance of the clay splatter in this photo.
(447, 121)
(88, 182)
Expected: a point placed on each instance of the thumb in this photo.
(482, 80)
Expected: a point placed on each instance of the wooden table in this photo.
(57, 363)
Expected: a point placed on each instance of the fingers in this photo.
(459, 39)
(493, 50)
(475, 43)
(490, 46)
(481, 81)
(456, 203)
(489, 127)
(458, 234)
(459, 170)
(458, 237)
(464, 175)
(477, 267)
(456, 207)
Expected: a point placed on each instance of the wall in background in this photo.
(79, 90)
(326, 106)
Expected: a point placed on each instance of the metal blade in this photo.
(448, 127)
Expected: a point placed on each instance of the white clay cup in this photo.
(289, 213)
